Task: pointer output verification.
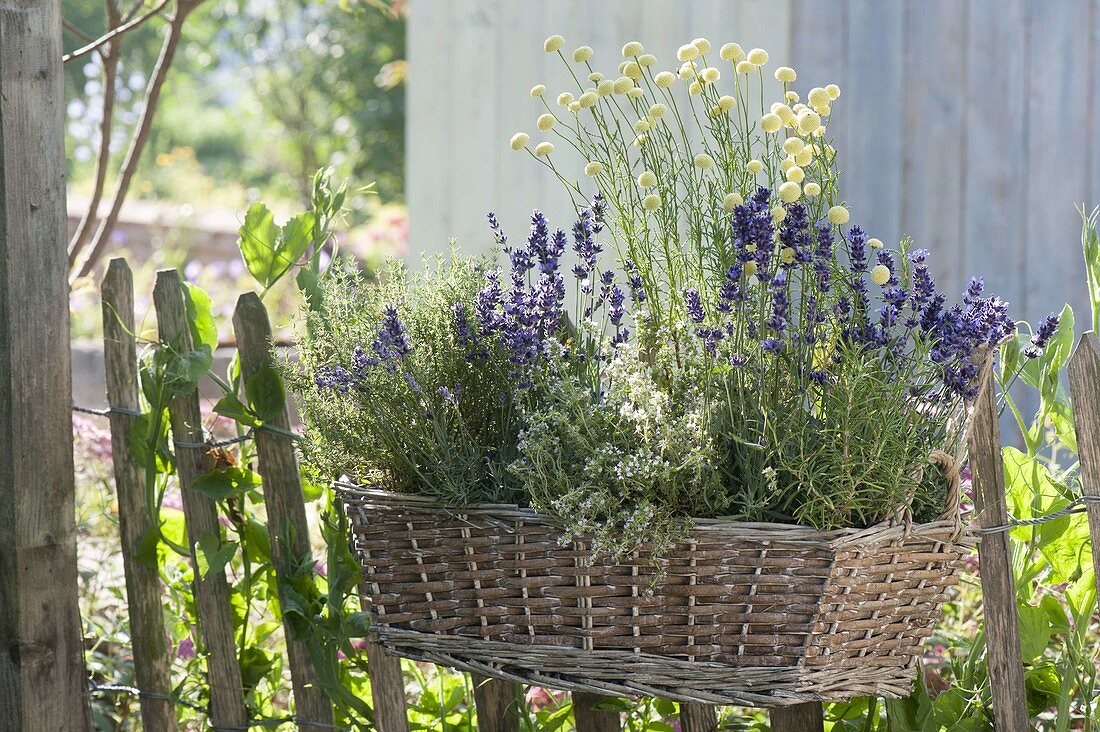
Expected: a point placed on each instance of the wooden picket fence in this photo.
(496, 701)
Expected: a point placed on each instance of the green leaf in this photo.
(232, 407)
(211, 554)
(265, 393)
(1035, 631)
(311, 491)
(221, 484)
(257, 541)
(309, 284)
(185, 371)
(358, 624)
(257, 240)
(1044, 686)
(146, 554)
(200, 318)
(297, 235)
(256, 664)
(1090, 244)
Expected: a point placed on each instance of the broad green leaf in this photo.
(1065, 544)
(297, 235)
(186, 370)
(257, 541)
(146, 554)
(1090, 244)
(211, 554)
(311, 491)
(1035, 631)
(265, 393)
(200, 318)
(1081, 594)
(257, 239)
(222, 484)
(256, 663)
(310, 286)
(232, 407)
(1043, 686)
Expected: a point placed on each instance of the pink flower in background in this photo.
(186, 648)
(538, 697)
(91, 439)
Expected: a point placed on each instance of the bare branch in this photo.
(75, 31)
(103, 154)
(116, 32)
(140, 136)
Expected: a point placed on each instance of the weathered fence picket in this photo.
(152, 663)
(201, 515)
(1084, 389)
(809, 717)
(590, 719)
(497, 704)
(1006, 674)
(698, 718)
(286, 511)
(387, 685)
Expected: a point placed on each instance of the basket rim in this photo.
(943, 530)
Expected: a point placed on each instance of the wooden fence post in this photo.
(1084, 389)
(387, 685)
(809, 717)
(698, 717)
(201, 515)
(497, 704)
(286, 511)
(588, 719)
(1006, 673)
(42, 679)
(152, 664)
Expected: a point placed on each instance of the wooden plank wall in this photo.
(970, 125)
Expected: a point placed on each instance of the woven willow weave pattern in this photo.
(760, 614)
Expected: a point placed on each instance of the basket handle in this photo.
(951, 471)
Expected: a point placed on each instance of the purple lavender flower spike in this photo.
(694, 305)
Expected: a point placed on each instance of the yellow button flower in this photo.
(574, 107)
(786, 164)
(793, 145)
(757, 57)
(770, 123)
(711, 74)
(538, 90)
(838, 215)
(553, 43)
(633, 70)
(640, 140)
(880, 275)
(796, 174)
(785, 74)
(686, 71)
(646, 59)
(544, 148)
(545, 122)
(805, 156)
(657, 110)
(647, 179)
(750, 267)
(791, 97)
(808, 122)
(652, 202)
(811, 189)
(588, 99)
(582, 54)
(635, 93)
(565, 98)
(817, 97)
(695, 88)
(519, 140)
(704, 161)
(731, 201)
(833, 91)
(875, 243)
(595, 77)
(593, 169)
(726, 103)
(623, 84)
(702, 44)
(790, 192)
(786, 255)
(664, 79)
(687, 52)
(731, 52)
(754, 166)
(632, 49)
(642, 125)
(778, 214)
(745, 67)
(605, 87)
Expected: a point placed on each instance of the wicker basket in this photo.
(747, 613)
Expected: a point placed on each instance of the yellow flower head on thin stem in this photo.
(519, 140)
(770, 123)
(811, 189)
(785, 74)
(726, 103)
(636, 93)
(838, 215)
(588, 99)
(817, 97)
(880, 275)
(695, 88)
(652, 202)
(582, 54)
(833, 91)
(632, 49)
(796, 174)
(687, 52)
(702, 44)
(805, 156)
(593, 169)
(793, 145)
(658, 110)
(565, 98)
(647, 179)
(605, 87)
(731, 201)
(757, 57)
(875, 243)
(553, 43)
(790, 192)
(544, 148)
(745, 67)
(538, 90)
(731, 52)
(779, 213)
(633, 70)
(664, 79)
(704, 161)
(710, 74)
(623, 84)
(646, 60)
(545, 121)
(754, 166)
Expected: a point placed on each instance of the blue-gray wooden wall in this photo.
(969, 125)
